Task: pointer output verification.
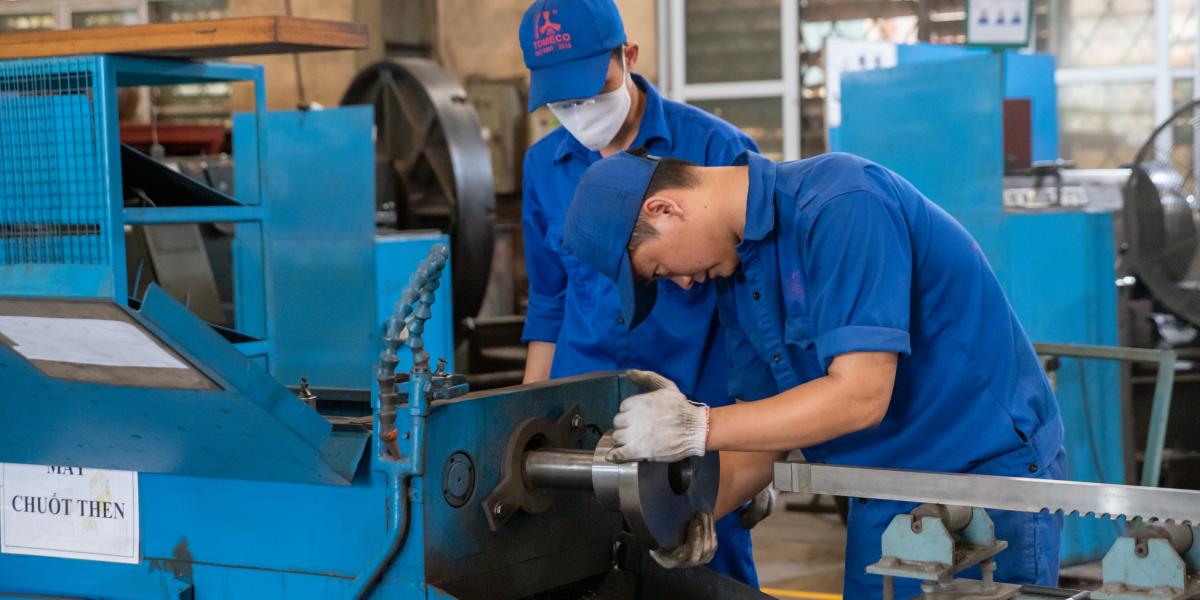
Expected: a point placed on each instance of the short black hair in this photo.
(670, 174)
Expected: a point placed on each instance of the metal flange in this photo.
(658, 500)
(515, 493)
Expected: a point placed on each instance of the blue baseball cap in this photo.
(567, 45)
(600, 222)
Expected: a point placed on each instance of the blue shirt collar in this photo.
(760, 197)
(653, 126)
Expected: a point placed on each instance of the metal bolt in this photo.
(989, 570)
(577, 422)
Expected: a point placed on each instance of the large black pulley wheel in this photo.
(432, 167)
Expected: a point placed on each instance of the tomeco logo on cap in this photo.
(548, 36)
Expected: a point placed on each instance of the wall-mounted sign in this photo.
(69, 512)
(999, 23)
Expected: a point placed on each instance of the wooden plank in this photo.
(845, 10)
(192, 39)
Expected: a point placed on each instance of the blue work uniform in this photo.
(841, 255)
(579, 310)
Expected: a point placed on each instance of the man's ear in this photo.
(660, 205)
(631, 54)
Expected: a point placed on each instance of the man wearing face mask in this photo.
(581, 65)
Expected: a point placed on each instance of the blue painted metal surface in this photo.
(474, 422)
(1159, 573)
(398, 459)
(933, 544)
(244, 491)
(55, 192)
(217, 537)
(237, 539)
(250, 428)
(395, 253)
(320, 255)
(1025, 76)
(1060, 282)
(939, 124)
(192, 214)
(320, 229)
(1032, 76)
(62, 217)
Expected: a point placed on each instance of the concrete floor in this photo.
(799, 555)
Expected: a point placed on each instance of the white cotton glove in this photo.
(760, 507)
(697, 549)
(661, 425)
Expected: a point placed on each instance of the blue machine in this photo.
(244, 488)
(937, 120)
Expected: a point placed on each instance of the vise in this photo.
(950, 530)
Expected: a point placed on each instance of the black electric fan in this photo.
(1162, 213)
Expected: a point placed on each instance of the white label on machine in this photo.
(69, 512)
(998, 22)
(85, 341)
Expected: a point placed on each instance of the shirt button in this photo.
(756, 295)
(1032, 468)
(775, 357)
(620, 320)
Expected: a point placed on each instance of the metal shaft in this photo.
(955, 518)
(559, 469)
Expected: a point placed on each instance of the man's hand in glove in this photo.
(661, 425)
(697, 549)
(760, 507)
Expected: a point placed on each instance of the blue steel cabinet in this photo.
(937, 120)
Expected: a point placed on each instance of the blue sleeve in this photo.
(859, 275)
(749, 376)
(722, 151)
(547, 277)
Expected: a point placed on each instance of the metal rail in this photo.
(1164, 385)
(987, 491)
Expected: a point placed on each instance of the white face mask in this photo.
(595, 121)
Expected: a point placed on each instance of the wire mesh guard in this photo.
(53, 182)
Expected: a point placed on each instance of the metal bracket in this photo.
(929, 551)
(1157, 562)
(935, 542)
(513, 494)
